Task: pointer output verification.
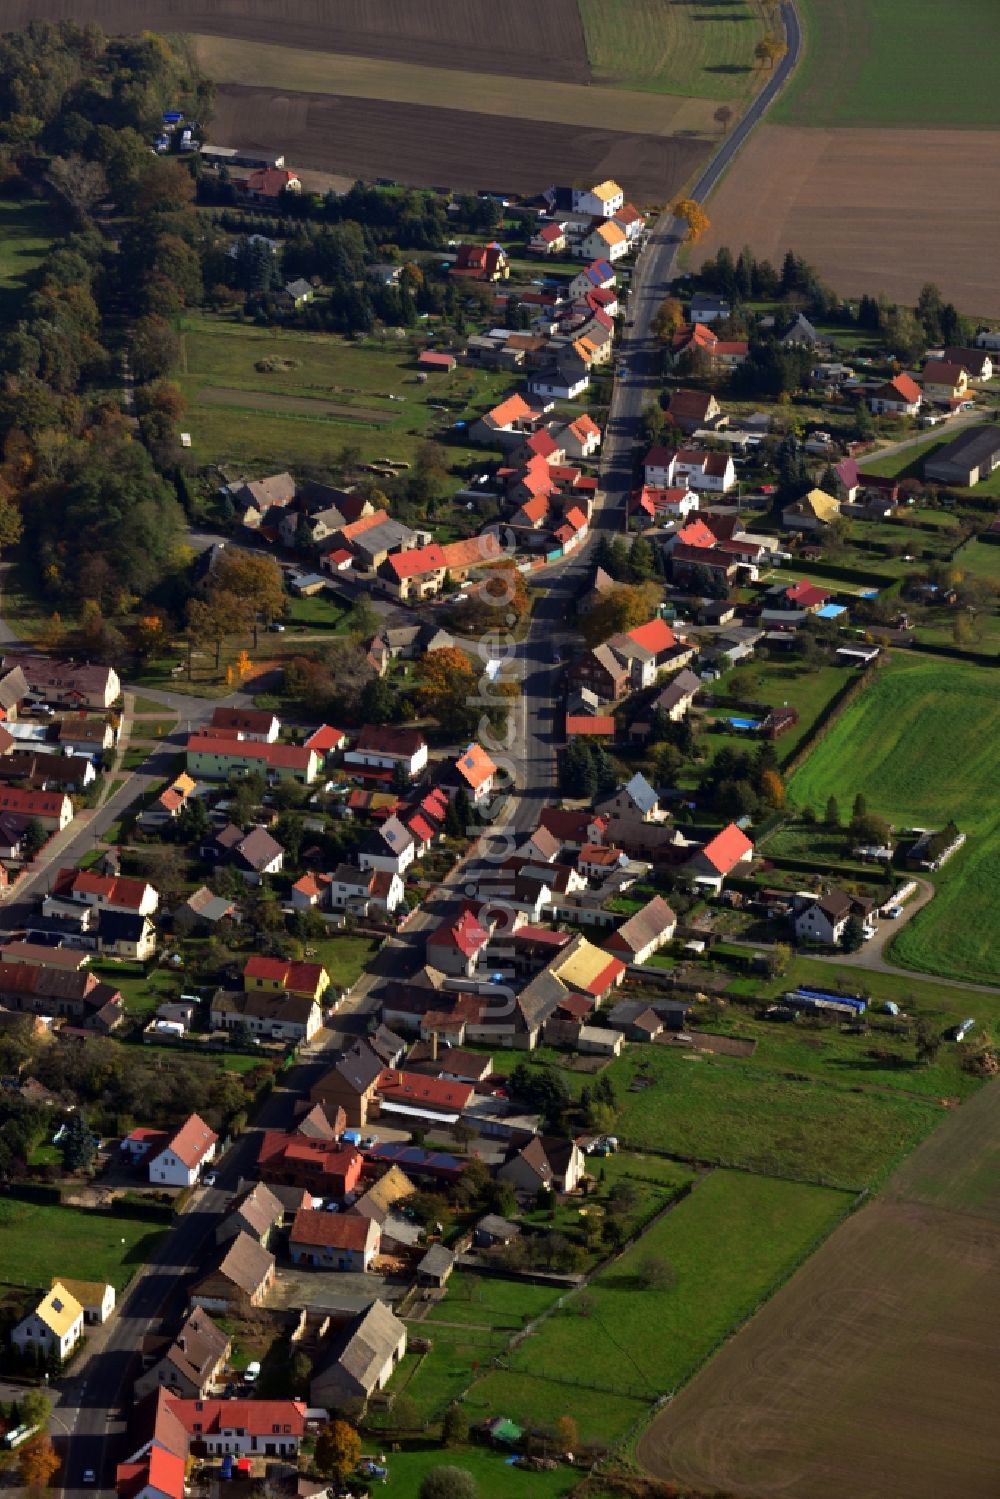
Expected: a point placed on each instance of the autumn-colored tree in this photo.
(211, 619)
(772, 788)
(163, 185)
(496, 602)
(53, 633)
(37, 1461)
(254, 579)
(622, 609)
(769, 49)
(444, 680)
(91, 628)
(668, 318)
(11, 524)
(150, 634)
(338, 1450)
(694, 216)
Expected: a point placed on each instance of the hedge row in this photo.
(827, 718)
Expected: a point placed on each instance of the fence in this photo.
(827, 718)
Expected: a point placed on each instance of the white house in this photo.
(660, 467)
(715, 472)
(824, 918)
(602, 201)
(55, 1326)
(559, 384)
(607, 241)
(386, 747)
(95, 1296)
(186, 1152)
(581, 438)
(391, 847)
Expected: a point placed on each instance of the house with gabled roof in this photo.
(945, 384)
(481, 263)
(384, 747)
(333, 1241)
(692, 410)
(548, 239)
(256, 1211)
(545, 1161)
(325, 1167)
(473, 770)
(606, 241)
(350, 1083)
(390, 847)
(188, 1364)
(270, 1428)
(580, 438)
(719, 857)
(601, 201)
(184, 1155)
(455, 946)
(812, 512)
(900, 396)
(53, 1327)
(360, 1361)
(644, 933)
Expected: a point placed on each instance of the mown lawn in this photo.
(41, 1240)
(27, 228)
(919, 744)
(495, 1477)
(893, 63)
(623, 1342)
(674, 48)
(344, 956)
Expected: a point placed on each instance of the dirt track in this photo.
(520, 37)
(873, 1372)
(873, 210)
(429, 147)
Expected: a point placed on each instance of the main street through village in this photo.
(93, 1400)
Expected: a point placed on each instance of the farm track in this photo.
(888, 1316)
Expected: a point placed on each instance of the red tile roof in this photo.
(414, 1087)
(727, 848)
(695, 533)
(906, 387)
(655, 636)
(192, 1141)
(592, 725)
(474, 766)
(332, 1230)
(467, 933)
(256, 1417)
(324, 739)
(514, 409)
(806, 595)
(288, 756)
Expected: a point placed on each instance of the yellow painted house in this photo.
(280, 976)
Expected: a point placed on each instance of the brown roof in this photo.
(377, 1203)
(333, 1230)
(259, 1209)
(644, 927)
(198, 1346)
(246, 1263)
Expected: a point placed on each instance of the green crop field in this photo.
(919, 744)
(895, 62)
(269, 419)
(41, 1240)
(674, 46)
(26, 230)
(981, 559)
(616, 1347)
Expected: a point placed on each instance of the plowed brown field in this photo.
(430, 147)
(873, 210)
(526, 38)
(874, 1371)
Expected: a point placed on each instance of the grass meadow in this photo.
(41, 1240)
(610, 1351)
(920, 745)
(674, 48)
(26, 230)
(895, 63)
(266, 420)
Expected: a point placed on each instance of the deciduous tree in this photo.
(37, 1461)
(338, 1450)
(693, 216)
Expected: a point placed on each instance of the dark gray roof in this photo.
(359, 1066)
(974, 446)
(642, 793)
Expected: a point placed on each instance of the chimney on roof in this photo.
(434, 1046)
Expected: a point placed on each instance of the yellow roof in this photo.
(390, 1188)
(87, 1292)
(606, 190)
(583, 965)
(611, 234)
(59, 1310)
(184, 783)
(822, 505)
